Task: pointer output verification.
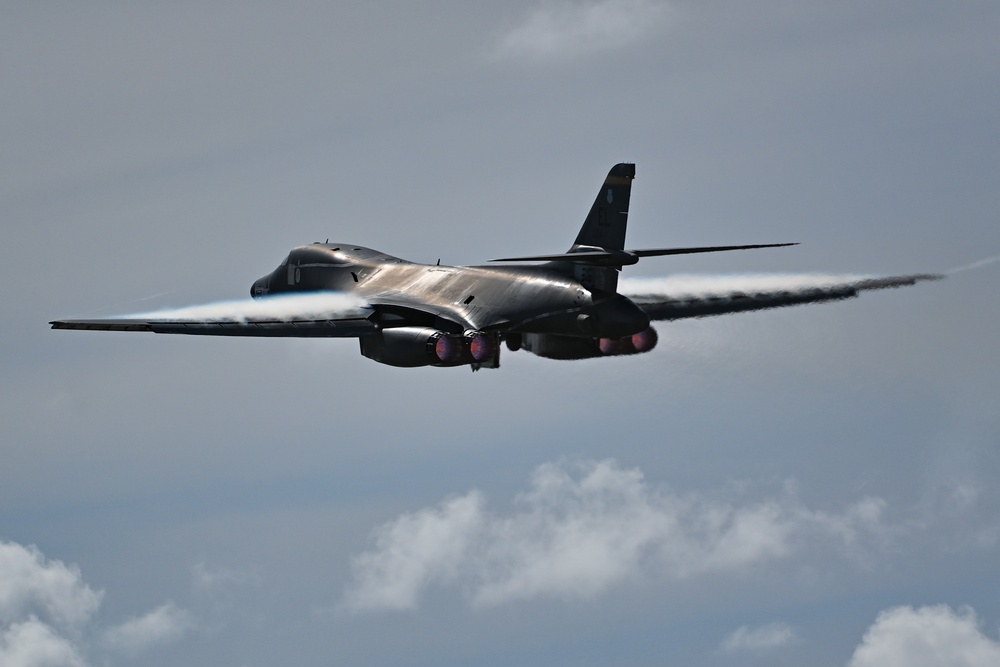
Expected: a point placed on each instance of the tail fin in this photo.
(605, 224)
(599, 253)
(599, 250)
(605, 228)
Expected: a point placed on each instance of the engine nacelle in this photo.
(555, 346)
(482, 347)
(411, 347)
(644, 341)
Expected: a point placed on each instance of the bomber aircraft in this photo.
(406, 314)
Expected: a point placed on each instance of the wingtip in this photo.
(896, 281)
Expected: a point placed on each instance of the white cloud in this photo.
(576, 536)
(34, 644)
(414, 550)
(164, 624)
(30, 584)
(762, 638)
(926, 637)
(46, 612)
(560, 30)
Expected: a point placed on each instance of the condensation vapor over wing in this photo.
(278, 308)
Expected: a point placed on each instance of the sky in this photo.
(812, 485)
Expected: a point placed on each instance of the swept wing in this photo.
(303, 328)
(704, 300)
(300, 316)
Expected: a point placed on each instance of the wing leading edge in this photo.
(313, 328)
(307, 315)
(720, 302)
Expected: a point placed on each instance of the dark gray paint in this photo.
(566, 308)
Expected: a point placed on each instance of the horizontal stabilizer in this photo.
(606, 257)
(598, 257)
(659, 252)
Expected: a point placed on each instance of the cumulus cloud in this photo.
(413, 551)
(46, 613)
(926, 637)
(34, 644)
(762, 638)
(164, 624)
(31, 584)
(574, 536)
(563, 30)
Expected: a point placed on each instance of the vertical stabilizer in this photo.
(605, 224)
(605, 228)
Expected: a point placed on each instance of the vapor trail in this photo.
(975, 265)
(702, 285)
(317, 305)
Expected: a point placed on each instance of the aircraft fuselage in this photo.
(522, 298)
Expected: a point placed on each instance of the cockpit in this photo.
(319, 266)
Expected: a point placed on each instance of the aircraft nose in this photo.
(260, 287)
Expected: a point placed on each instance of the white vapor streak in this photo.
(315, 305)
(574, 536)
(975, 265)
(702, 285)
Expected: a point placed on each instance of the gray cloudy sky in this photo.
(807, 486)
